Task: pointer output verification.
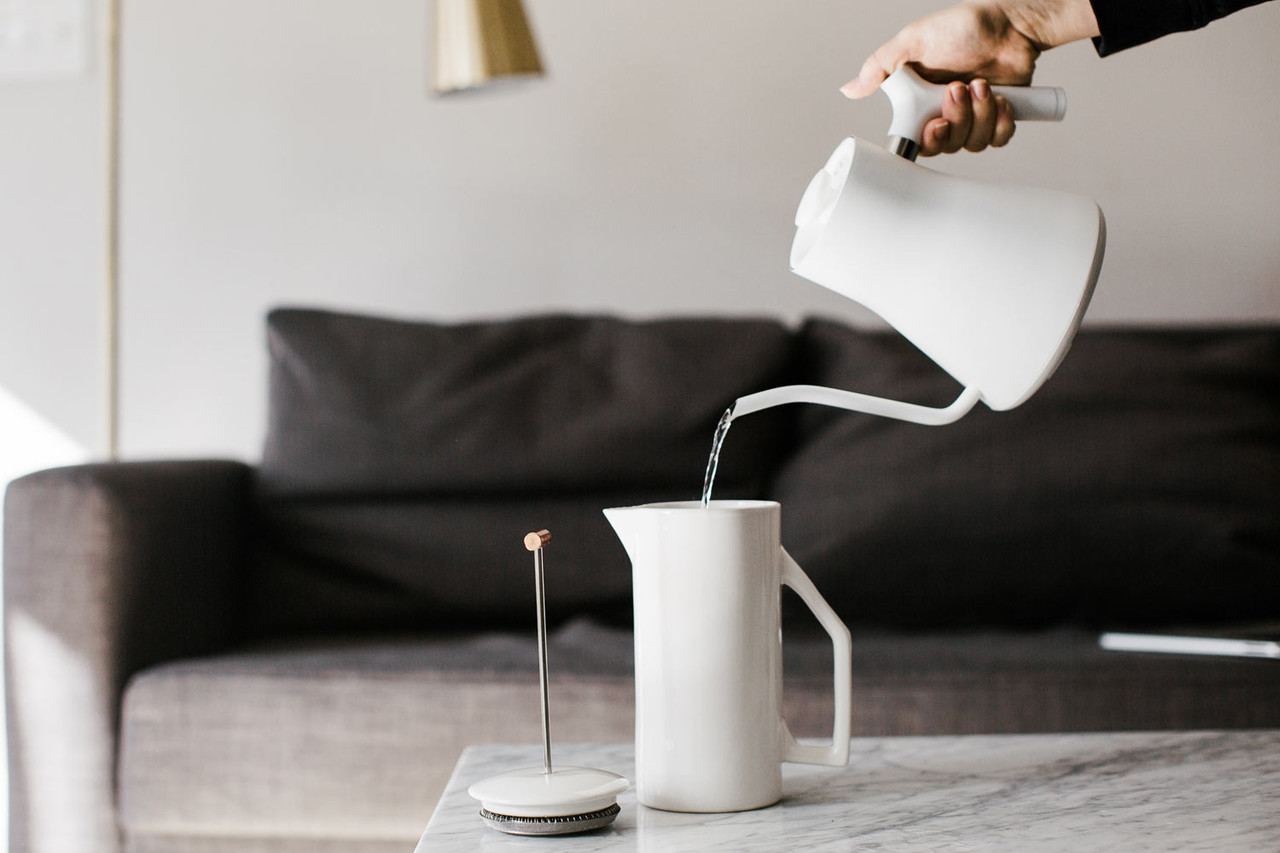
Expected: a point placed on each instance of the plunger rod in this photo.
(535, 542)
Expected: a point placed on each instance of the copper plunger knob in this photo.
(536, 541)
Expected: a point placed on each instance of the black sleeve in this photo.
(1127, 23)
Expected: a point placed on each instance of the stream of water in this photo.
(713, 463)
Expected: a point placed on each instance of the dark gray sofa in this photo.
(213, 656)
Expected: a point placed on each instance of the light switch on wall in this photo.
(43, 38)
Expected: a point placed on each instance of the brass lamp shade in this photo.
(480, 41)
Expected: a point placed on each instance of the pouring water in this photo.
(713, 463)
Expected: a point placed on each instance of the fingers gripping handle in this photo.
(837, 754)
(915, 102)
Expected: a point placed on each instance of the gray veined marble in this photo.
(1184, 791)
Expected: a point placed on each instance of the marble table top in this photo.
(1158, 791)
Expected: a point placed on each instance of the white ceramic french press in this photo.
(710, 736)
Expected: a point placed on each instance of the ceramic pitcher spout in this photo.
(627, 522)
(639, 528)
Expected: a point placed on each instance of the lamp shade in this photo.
(480, 41)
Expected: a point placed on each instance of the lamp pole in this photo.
(111, 292)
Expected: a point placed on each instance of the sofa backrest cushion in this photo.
(1140, 485)
(405, 461)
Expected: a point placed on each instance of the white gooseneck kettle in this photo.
(989, 280)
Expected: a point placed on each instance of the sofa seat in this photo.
(308, 740)
(328, 724)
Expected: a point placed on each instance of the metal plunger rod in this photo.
(535, 543)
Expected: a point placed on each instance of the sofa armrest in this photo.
(108, 568)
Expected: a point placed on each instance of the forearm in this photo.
(1127, 23)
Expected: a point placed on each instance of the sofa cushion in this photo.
(405, 461)
(436, 563)
(372, 406)
(1141, 484)
(352, 740)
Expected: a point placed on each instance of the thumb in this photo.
(878, 66)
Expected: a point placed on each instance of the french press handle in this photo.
(837, 754)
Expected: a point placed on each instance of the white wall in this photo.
(288, 151)
(51, 239)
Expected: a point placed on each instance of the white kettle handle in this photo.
(916, 101)
(837, 754)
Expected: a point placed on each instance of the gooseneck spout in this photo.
(855, 402)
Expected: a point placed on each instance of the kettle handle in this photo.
(915, 101)
(837, 754)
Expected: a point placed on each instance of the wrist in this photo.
(1049, 23)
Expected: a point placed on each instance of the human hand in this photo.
(971, 45)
